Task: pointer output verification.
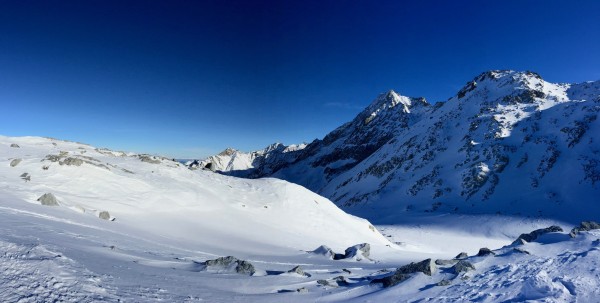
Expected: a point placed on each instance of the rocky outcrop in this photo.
(462, 266)
(462, 255)
(584, 226)
(401, 274)
(298, 271)
(532, 236)
(485, 252)
(324, 250)
(15, 145)
(230, 264)
(358, 251)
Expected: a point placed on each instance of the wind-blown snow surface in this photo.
(169, 219)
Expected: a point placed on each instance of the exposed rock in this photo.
(358, 250)
(584, 226)
(485, 252)
(426, 266)
(149, 159)
(462, 266)
(241, 266)
(48, 199)
(346, 270)
(325, 251)
(444, 283)
(26, 177)
(302, 290)
(15, 145)
(392, 280)
(536, 233)
(299, 271)
(325, 283)
(15, 162)
(341, 281)
(72, 161)
(462, 255)
(104, 215)
(520, 250)
(443, 262)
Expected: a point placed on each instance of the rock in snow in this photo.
(536, 233)
(584, 226)
(462, 266)
(48, 199)
(15, 162)
(231, 264)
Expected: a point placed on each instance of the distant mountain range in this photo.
(508, 142)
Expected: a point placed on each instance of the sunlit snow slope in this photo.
(163, 198)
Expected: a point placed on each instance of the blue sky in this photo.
(187, 79)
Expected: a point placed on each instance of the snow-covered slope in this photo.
(165, 199)
(169, 221)
(508, 142)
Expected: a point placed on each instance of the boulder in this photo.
(299, 271)
(15, 145)
(462, 255)
(443, 262)
(231, 263)
(15, 162)
(462, 266)
(48, 199)
(389, 281)
(359, 251)
(485, 252)
(584, 226)
(324, 250)
(104, 215)
(444, 283)
(532, 236)
(426, 266)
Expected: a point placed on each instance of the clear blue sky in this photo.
(189, 78)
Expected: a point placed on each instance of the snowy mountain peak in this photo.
(228, 152)
(391, 99)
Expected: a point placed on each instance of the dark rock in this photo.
(426, 266)
(584, 226)
(325, 283)
(346, 270)
(392, 280)
(462, 266)
(302, 290)
(241, 266)
(462, 255)
(358, 250)
(15, 145)
(485, 252)
(325, 251)
(520, 250)
(341, 281)
(298, 270)
(532, 236)
(444, 283)
(15, 162)
(48, 199)
(442, 262)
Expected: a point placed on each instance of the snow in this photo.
(169, 219)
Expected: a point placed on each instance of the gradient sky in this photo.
(187, 79)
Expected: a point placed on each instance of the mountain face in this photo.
(508, 142)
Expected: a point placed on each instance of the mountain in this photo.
(86, 224)
(508, 142)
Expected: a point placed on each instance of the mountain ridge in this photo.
(403, 154)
